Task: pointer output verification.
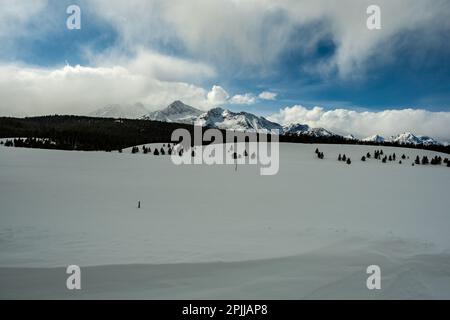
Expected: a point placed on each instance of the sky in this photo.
(306, 61)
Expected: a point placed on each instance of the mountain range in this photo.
(178, 112)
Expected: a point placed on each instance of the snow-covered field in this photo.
(212, 232)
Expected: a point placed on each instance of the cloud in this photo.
(152, 64)
(27, 91)
(255, 33)
(246, 98)
(266, 95)
(217, 96)
(363, 124)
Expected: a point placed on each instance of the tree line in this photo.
(108, 134)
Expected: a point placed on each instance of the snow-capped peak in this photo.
(350, 137)
(299, 129)
(410, 138)
(177, 111)
(240, 121)
(374, 138)
(133, 111)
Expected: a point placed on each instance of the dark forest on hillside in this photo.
(107, 134)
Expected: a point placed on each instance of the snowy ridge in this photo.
(220, 118)
(133, 111)
(240, 121)
(409, 138)
(304, 129)
(177, 111)
(374, 138)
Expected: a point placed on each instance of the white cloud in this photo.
(363, 124)
(246, 98)
(267, 95)
(256, 32)
(155, 65)
(29, 91)
(217, 96)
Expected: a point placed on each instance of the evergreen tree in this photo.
(368, 155)
(425, 160)
(162, 151)
(403, 156)
(393, 156)
(193, 153)
(349, 161)
(384, 159)
(339, 158)
(448, 163)
(400, 162)
(344, 158)
(156, 152)
(363, 158)
(317, 151)
(390, 158)
(417, 161)
(245, 153)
